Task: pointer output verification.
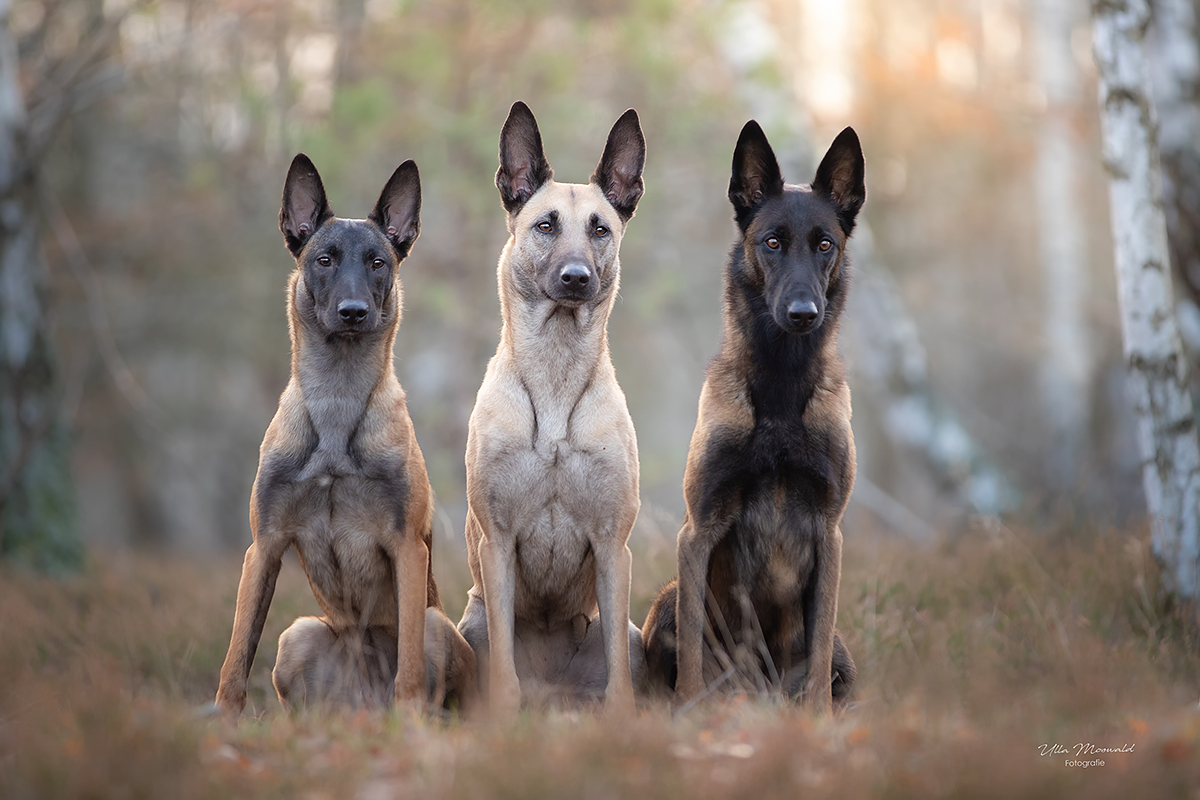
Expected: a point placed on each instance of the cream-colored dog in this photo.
(552, 465)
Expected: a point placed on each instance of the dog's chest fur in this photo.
(788, 473)
(341, 503)
(557, 473)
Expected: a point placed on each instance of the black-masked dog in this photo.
(771, 463)
(552, 466)
(341, 478)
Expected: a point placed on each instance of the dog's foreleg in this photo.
(694, 551)
(614, 563)
(497, 560)
(820, 615)
(410, 563)
(260, 570)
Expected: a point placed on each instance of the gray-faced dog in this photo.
(552, 465)
(341, 478)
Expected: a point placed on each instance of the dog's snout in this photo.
(353, 312)
(575, 276)
(802, 312)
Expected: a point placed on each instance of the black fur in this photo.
(775, 489)
(349, 264)
(523, 165)
(619, 173)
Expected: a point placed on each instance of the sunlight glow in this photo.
(826, 52)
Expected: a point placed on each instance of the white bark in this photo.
(1175, 77)
(1157, 370)
(1066, 368)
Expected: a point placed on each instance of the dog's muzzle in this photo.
(575, 284)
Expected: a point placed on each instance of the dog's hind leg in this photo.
(450, 677)
(473, 627)
(316, 666)
(586, 675)
(658, 638)
(842, 675)
(306, 655)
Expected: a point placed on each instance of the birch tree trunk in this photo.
(1066, 367)
(1175, 77)
(37, 523)
(1157, 369)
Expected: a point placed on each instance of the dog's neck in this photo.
(781, 370)
(556, 351)
(337, 376)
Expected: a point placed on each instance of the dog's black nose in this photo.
(353, 311)
(574, 276)
(802, 312)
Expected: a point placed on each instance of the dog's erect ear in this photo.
(398, 212)
(304, 205)
(841, 178)
(756, 176)
(619, 173)
(523, 164)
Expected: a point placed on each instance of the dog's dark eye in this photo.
(825, 245)
(773, 242)
(324, 261)
(545, 227)
(378, 263)
(600, 231)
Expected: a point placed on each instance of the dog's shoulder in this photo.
(502, 406)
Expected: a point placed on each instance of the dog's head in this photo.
(794, 237)
(349, 266)
(565, 237)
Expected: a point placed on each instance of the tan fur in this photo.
(552, 476)
(337, 462)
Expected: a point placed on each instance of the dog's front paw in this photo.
(619, 701)
(229, 704)
(504, 700)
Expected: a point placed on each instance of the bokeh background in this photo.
(982, 338)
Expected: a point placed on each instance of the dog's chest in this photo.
(784, 488)
(555, 503)
(341, 525)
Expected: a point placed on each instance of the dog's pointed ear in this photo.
(523, 164)
(756, 176)
(398, 212)
(619, 173)
(841, 178)
(305, 207)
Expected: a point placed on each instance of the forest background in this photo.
(982, 337)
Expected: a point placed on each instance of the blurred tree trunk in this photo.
(37, 521)
(1157, 369)
(1066, 367)
(351, 16)
(893, 364)
(1175, 77)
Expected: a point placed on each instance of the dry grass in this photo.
(971, 654)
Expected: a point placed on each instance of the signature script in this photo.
(1082, 749)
